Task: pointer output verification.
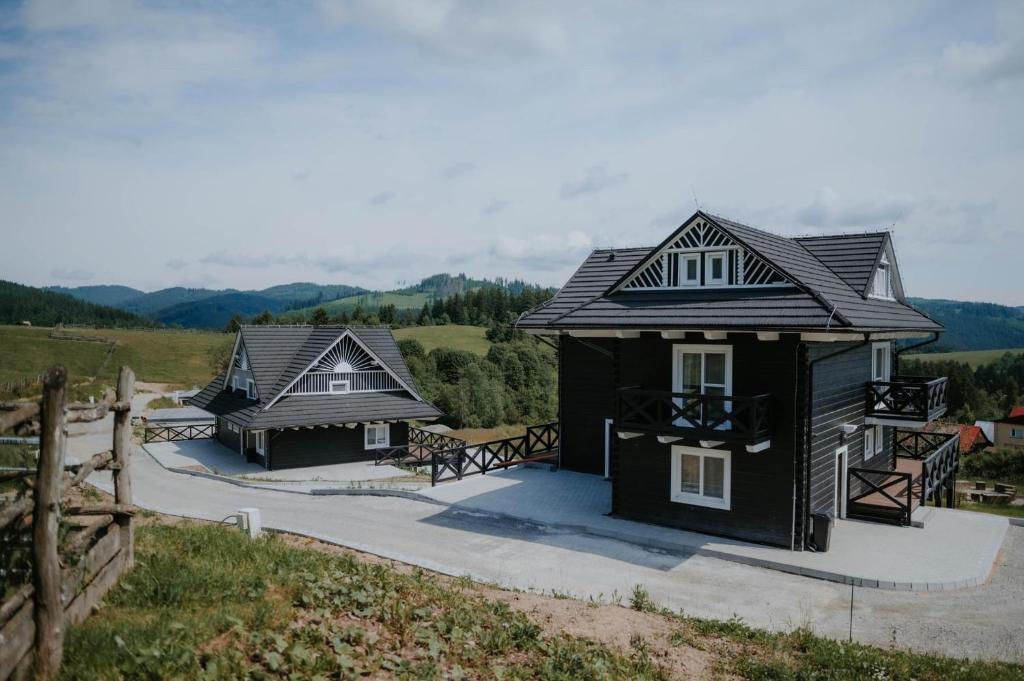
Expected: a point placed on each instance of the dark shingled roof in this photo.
(279, 354)
(819, 298)
(851, 256)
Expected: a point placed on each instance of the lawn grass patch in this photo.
(454, 336)
(178, 357)
(162, 402)
(206, 602)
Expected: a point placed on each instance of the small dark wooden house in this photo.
(736, 382)
(308, 396)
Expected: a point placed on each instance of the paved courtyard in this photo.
(955, 549)
(982, 622)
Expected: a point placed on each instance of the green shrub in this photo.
(1002, 464)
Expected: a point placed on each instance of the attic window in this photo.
(250, 389)
(881, 286)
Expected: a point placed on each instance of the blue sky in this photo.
(250, 144)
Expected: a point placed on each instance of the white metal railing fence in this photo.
(320, 382)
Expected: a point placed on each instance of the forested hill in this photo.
(974, 326)
(46, 308)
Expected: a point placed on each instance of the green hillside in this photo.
(46, 308)
(111, 296)
(974, 358)
(152, 303)
(974, 326)
(215, 311)
(370, 301)
(158, 356)
(453, 336)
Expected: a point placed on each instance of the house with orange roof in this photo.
(973, 439)
(1009, 431)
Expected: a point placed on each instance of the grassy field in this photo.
(974, 358)
(448, 336)
(206, 602)
(176, 357)
(371, 302)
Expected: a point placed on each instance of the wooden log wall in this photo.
(69, 576)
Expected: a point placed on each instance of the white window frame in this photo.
(234, 383)
(682, 280)
(678, 452)
(374, 427)
(261, 442)
(881, 373)
(881, 283)
(250, 389)
(1016, 433)
(708, 268)
(680, 349)
(879, 440)
(869, 443)
(346, 384)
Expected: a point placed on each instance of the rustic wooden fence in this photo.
(189, 431)
(72, 570)
(539, 444)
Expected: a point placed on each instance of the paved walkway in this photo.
(984, 622)
(956, 549)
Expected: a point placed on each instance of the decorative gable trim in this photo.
(231, 362)
(701, 254)
(348, 348)
(886, 256)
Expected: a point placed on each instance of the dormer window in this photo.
(340, 386)
(250, 389)
(714, 273)
(881, 287)
(689, 270)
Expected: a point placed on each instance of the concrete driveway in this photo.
(986, 622)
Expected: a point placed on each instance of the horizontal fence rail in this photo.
(540, 443)
(911, 398)
(723, 417)
(176, 433)
(422, 444)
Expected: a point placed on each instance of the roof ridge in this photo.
(840, 235)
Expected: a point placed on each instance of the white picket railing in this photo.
(319, 382)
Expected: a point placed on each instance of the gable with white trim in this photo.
(240, 375)
(885, 282)
(347, 366)
(702, 255)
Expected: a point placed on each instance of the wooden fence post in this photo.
(49, 611)
(121, 464)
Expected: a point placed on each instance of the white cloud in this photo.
(984, 62)
(457, 27)
(494, 206)
(542, 249)
(830, 210)
(595, 180)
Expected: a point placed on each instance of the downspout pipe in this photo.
(809, 392)
(899, 351)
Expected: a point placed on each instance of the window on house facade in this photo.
(340, 386)
(689, 270)
(869, 443)
(880, 361)
(261, 441)
(234, 383)
(250, 389)
(701, 477)
(1017, 433)
(377, 435)
(881, 286)
(703, 370)
(715, 269)
(879, 440)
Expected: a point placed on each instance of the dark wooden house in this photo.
(736, 382)
(308, 396)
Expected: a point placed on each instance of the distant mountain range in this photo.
(212, 308)
(969, 325)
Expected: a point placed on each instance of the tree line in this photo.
(984, 393)
(480, 307)
(516, 382)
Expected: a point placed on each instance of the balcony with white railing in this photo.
(342, 382)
